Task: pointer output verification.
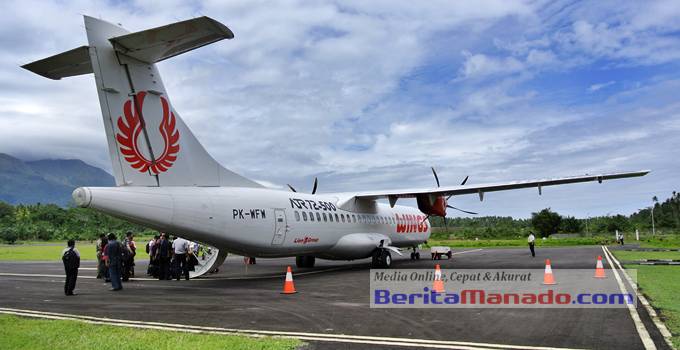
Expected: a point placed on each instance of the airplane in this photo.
(167, 181)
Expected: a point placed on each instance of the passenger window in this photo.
(342, 217)
(297, 216)
(318, 216)
(304, 216)
(336, 218)
(311, 216)
(354, 218)
(324, 217)
(330, 217)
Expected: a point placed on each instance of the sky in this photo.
(368, 95)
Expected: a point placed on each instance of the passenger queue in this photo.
(168, 259)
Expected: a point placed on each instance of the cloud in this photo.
(369, 95)
(596, 87)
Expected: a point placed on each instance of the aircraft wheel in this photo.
(386, 259)
(417, 256)
(305, 261)
(413, 256)
(449, 254)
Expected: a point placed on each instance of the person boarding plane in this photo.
(166, 180)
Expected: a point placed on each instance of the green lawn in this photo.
(660, 284)
(661, 241)
(51, 251)
(25, 333)
(512, 243)
(638, 255)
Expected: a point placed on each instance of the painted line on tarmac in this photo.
(650, 310)
(642, 331)
(467, 251)
(64, 276)
(323, 337)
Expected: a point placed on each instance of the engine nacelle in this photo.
(429, 207)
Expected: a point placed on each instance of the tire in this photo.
(413, 256)
(417, 256)
(382, 259)
(375, 261)
(386, 259)
(305, 261)
(449, 254)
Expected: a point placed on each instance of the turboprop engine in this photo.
(436, 205)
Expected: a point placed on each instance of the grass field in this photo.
(630, 256)
(513, 243)
(51, 250)
(660, 284)
(24, 333)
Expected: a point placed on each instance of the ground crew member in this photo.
(71, 258)
(180, 247)
(114, 251)
(531, 241)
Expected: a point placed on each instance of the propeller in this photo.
(316, 184)
(464, 211)
(436, 178)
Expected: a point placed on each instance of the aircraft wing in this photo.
(480, 189)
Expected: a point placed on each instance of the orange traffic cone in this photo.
(288, 286)
(438, 285)
(599, 269)
(548, 277)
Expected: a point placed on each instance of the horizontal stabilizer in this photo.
(157, 44)
(66, 64)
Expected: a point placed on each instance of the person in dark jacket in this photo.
(71, 258)
(114, 251)
(163, 254)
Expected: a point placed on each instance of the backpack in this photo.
(71, 260)
(124, 252)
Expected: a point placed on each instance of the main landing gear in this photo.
(305, 261)
(415, 255)
(382, 259)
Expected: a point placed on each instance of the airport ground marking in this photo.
(642, 331)
(342, 338)
(467, 251)
(665, 333)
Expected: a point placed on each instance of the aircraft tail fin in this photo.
(149, 144)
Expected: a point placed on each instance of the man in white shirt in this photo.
(531, 240)
(179, 247)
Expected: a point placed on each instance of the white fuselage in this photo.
(263, 222)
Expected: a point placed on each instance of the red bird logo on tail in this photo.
(131, 127)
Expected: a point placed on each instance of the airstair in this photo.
(209, 260)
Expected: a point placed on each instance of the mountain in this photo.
(46, 181)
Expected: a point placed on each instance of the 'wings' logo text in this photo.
(132, 126)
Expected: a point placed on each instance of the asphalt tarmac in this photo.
(333, 298)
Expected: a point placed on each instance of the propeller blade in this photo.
(435, 176)
(427, 217)
(464, 211)
(291, 188)
(316, 183)
(464, 181)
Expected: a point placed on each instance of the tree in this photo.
(571, 224)
(8, 234)
(546, 222)
(6, 210)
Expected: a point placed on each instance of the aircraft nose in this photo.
(82, 197)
